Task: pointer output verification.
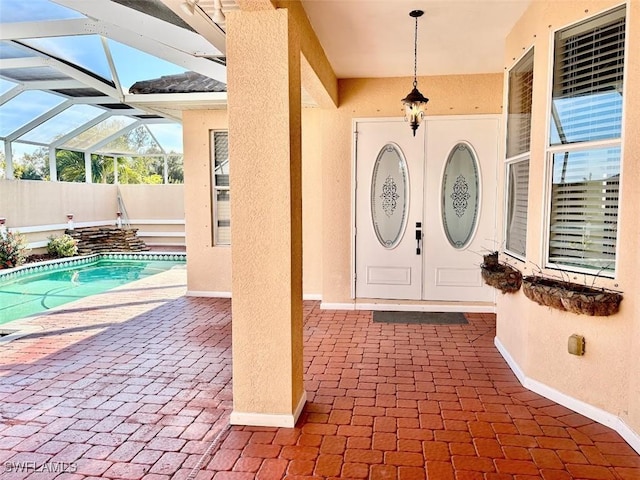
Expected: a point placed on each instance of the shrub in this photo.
(62, 246)
(13, 249)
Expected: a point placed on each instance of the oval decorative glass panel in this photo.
(460, 196)
(389, 195)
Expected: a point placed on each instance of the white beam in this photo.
(87, 167)
(200, 65)
(151, 35)
(24, 62)
(53, 84)
(8, 160)
(96, 100)
(54, 28)
(88, 80)
(29, 142)
(165, 113)
(163, 32)
(155, 121)
(112, 66)
(146, 126)
(195, 98)
(9, 94)
(201, 23)
(165, 169)
(107, 101)
(53, 166)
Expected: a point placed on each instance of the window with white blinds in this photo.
(585, 154)
(518, 146)
(517, 207)
(587, 80)
(520, 99)
(584, 208)
(220, 192)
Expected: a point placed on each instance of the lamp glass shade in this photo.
(415, 104)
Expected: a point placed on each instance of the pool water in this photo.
(36, 293)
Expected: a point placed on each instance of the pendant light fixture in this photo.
(415, 103)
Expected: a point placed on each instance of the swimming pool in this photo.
(34, 289)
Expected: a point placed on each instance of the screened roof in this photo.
(66, 67)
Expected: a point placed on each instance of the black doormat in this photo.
(429, 318)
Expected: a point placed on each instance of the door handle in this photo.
(418, 237)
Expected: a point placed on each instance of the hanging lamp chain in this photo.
(415, 55)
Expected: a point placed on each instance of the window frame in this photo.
(510, 161)
(509, 164)
(215, 188)
(551, 149)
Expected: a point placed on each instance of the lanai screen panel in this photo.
(85, 51)
(137, 142)
(66, 121)
(24, 108)
(97, 133)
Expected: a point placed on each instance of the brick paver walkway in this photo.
(135, 383)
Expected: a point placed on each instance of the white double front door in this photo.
(425, 208)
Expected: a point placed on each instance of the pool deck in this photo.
(136, 383)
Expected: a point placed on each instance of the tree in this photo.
(137, 170)
(70, 166)
(32, 166)
(26, 172)
(176, 168)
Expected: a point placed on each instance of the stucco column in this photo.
(263, 58)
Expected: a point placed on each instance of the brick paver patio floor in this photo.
(136, 383)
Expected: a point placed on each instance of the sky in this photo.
(87, 51)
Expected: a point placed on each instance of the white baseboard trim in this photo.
(269, 419)
(583, 408)
(205, 293)
(312, 296)
(405, 307)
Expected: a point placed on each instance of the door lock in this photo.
(418, 237)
